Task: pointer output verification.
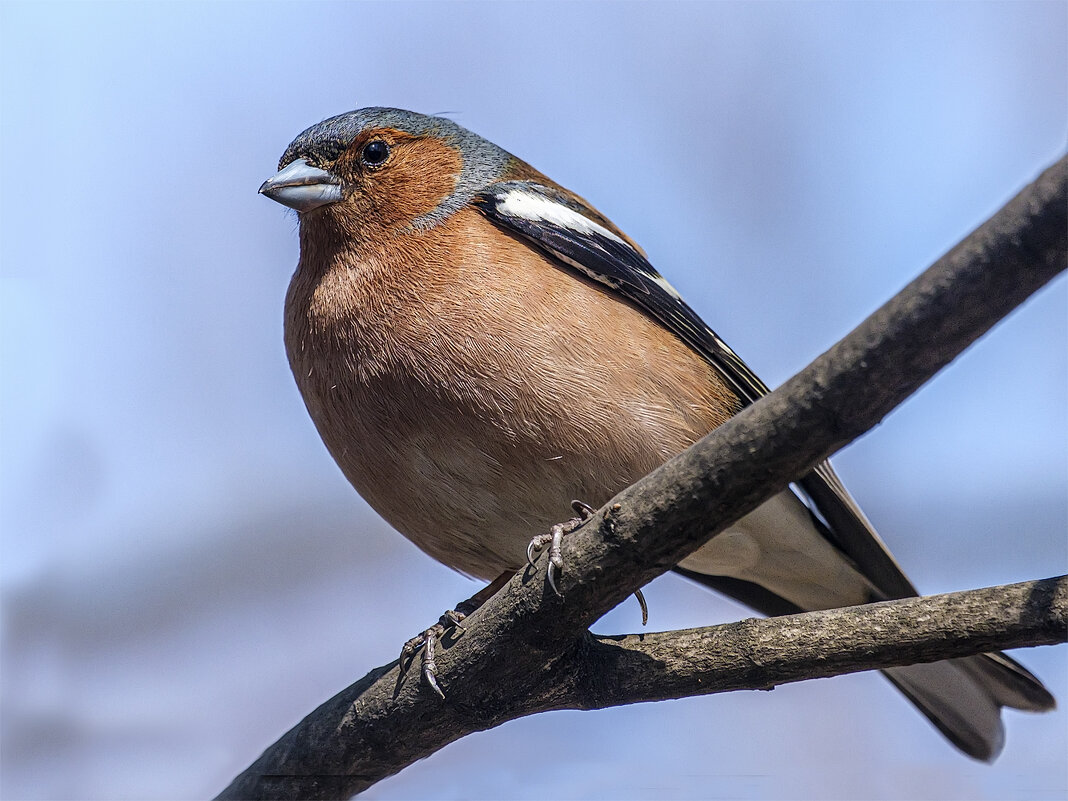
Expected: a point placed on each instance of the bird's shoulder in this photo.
(518, 172)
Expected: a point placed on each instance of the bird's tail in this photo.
(963, 698)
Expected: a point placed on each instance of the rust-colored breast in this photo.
(469, 388)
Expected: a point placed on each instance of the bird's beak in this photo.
(302, 187)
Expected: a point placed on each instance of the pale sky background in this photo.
(185, 573)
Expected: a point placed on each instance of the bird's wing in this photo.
(568, 231)
(557, 223)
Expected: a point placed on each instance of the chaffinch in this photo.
(477, 345)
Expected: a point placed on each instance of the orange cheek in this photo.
(421, 175)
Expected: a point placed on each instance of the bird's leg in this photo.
(556, 561)
(452, 619)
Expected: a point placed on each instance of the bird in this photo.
(478, 345)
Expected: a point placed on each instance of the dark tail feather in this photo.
(1008, 682)
(963, 698)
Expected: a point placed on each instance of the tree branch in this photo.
(508, 663)
(760, 653)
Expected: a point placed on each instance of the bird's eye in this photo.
(374, 153)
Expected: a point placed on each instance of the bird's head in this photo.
(384, 169)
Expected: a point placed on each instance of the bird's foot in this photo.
(556, 560)
(553, 540)
(427, 640)
(451, 621)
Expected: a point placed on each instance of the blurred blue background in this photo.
(185, 573)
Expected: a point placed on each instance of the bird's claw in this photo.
(450, 621)
(535, 545)
(427, 640)
(584, 510)
(645, 608)
(430, 667)
(556, 559)
(554, 538)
